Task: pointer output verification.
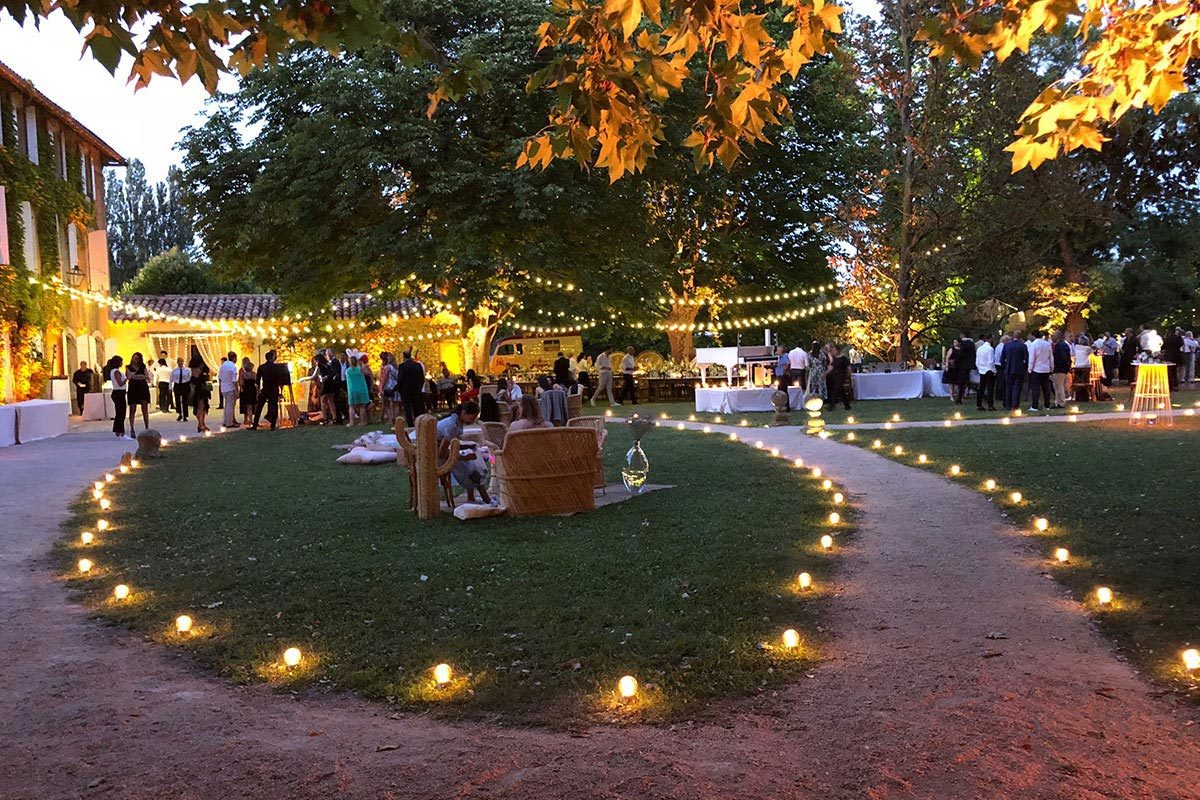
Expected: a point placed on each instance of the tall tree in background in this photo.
(144, 219)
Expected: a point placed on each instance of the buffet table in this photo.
(98, 405)
(33, 420)
(933, 384)
(736, 401)
(8, 425)
(889, 385)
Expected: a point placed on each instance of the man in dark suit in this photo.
(410, 380)
(966, 362)
(1172, 353)
(1014, 363)
(272, 377)
(562, 371)
(82, 380)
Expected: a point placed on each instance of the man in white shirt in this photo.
(1190, 346)
(162, 377)
(181, 389)
(227, 377)
(628, 387)
(1041, 364)
(605, 377)
(985, 365)
(798, 366)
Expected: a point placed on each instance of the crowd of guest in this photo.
(821, 370)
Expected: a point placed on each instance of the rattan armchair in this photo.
(547, 471)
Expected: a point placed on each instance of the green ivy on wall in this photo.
(29, 310)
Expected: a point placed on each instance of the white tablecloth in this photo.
(98, 405)
(933, 384)
(737, 401)
(8, 425)
(42, 419)
(889, 385)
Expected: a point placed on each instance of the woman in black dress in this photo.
(249, 385)
(201, 391)
(138, 392)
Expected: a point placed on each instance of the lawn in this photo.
(1123, 501)
(267, 543)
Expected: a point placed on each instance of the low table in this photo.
(98, 405)
(889, 385)
(33, 420)
(736, 401)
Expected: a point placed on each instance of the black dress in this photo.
(249, 397)
(201, 391)
(137, 391)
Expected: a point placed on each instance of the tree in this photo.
(176, 272)
(144, 219)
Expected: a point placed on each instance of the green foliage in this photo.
(144, 219)
(177, 272)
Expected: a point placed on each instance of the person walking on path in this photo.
(1014, 365)
(181, 384)
(1062, 368)
(410, 381)
(119, 382)
(985, 358)
(628, 387)
(138, 392)
(818, 372)
(227, 380)
(836, 377)
(82, 379)
(604, 383)
(272, 377)
(201, 389)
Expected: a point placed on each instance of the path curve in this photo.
(913, 702)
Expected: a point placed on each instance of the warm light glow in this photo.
(706, 429)
(1104, 595)
(733, 437)
(798, 463)
(98, 485)
(989, 485)
(123, 469)
(1005, 421)
(680, 426)
(133, 462)
(207, 434)
(839, 498)
(105, 503)
(223, 428)
(86, 537)
(850, 420)
(958, 415)
(627, 686)
(887, 426)
(834, 518)
(121, 591)
(691, 417)
(1191, 659)
(816, 472)
(878, 443)
(291, 656)
(827, 484)
(101, 525)
(758, 445)
(109, 477)
(955, 469)
(791, 639)
(1074, 409)
(924, 459)
(96, 493)
(663, 415)
(607, 413)
(804, 580)
(898, 450)
(850, 437)
(1062, 555)
(824, 435)
(1016, 497)
(775, 452)
(1120, 406)
(1017, 412)
(183, 623)
(183, 437)
(745, 423)
(1072, 418)
(85, 565)
(947, 423)
(441, 673)
(826, 542)
(895, 417)
(1041, 523)
(813, 403)
(717, 420)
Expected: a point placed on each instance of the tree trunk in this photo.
(683, 345)
(904, 268)
(1073, 273)
(478, 329)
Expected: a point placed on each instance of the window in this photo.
(505, 350)
(549, 344)
(31, 133)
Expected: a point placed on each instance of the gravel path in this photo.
(914, 701)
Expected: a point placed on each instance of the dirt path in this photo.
(914, 701)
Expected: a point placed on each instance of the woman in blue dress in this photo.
(468, 471)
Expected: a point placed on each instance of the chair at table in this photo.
(574, 407)
(595, 424)
(494, 433)
(547, 471)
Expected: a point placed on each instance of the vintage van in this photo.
(528, 353)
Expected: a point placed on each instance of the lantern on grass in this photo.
(827, 484)
(989, 485)
(839, 498)
(441, 674)
(816, 472)
(813, 406)
(791, 639)
(1042, 524)
(923, 459)
(804, 580)
(291, 657)
(1104, 595)
(1191, 659)
(706, 429)
(850, 437)
(97, 494)
(1062, 555)
(627, 687)
(834, 518)
(876, 444)
(895, 417)
(87, 537)
(798, 463)
(123, 469)
(850, 420)
(101, 525)
(183, 623)
(1016, 497)
(826, 542)
(121, 592)
(105, 503)
(84, 565)
(109, 477)
(955, 470)
(898, 450)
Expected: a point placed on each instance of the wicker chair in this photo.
(494, 433)
(574, 407)
(595, 424)
(547, 471)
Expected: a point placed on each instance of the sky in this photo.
(145, 124)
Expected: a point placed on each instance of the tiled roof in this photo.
(254, 307)
(110, 155)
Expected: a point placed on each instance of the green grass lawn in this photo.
(1124, 501)
(267, 543)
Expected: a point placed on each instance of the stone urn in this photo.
(149, 444)
(779, 399)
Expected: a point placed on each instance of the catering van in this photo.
(529, 353)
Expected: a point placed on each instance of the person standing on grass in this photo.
(1062, 368)
(1129, 351)
(1014, 365)
(836, 376)
(272, 377)
(628, 387)
(966, 362)
(82, 379)
(410, 382)
(227, 381)
(181, 384)
(138, 392)
(985, 358)
(1172, 353)
(119, 382)
(783, 374)
(798, 366)
(1041, 365)
(605, 381)
(1190, 346)
(358, 396)
(1001, 381)
(1108, 354)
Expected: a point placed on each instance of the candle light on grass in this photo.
(834, 518)
(791, 639)
(989, 485)
(826, 542)
(839, 498)
(84, 565)
(1191, 659)
(183, 623)
(1104, 595)
(955, 470)
(827, 484)
(87, 537)
(804, 580)
(292, 656)
(1062, 555)
(121, 591)
(876, 444)
(627, 687)
(101, 525)
(1042, 524)
(442, 672)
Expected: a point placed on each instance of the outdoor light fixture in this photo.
(133, 462)
(898, 450)
(827, 484)
(1191, 659)
(816, 472)
(895, 417)
(123, 469)
(878, 443)
(706, 429)
(798, 463)
(86, 537)
(850, 437)
(441, 674)
(958, 415)
(627, 686)
(804, 580)
(839, 498)
(989, 485)
(105, 503)
(183, 436)
(850, 420)
(834, 518)
(101, 525)
(924, 459)
(75, 276)
(98, 485)
(291, 656)
(1062, 555)
(85, 565)
(1005, 421)
(733, 437)
(1104, 595)
(887, 426)
(826, 542)
(758, 445)
(1016, 497)
(955, 470)
(775, 452)
(121, 591)
(183, 623)
(791, 639)
(680, 426)
(97, 493)
(1041, 523)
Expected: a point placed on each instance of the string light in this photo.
(710, 298)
